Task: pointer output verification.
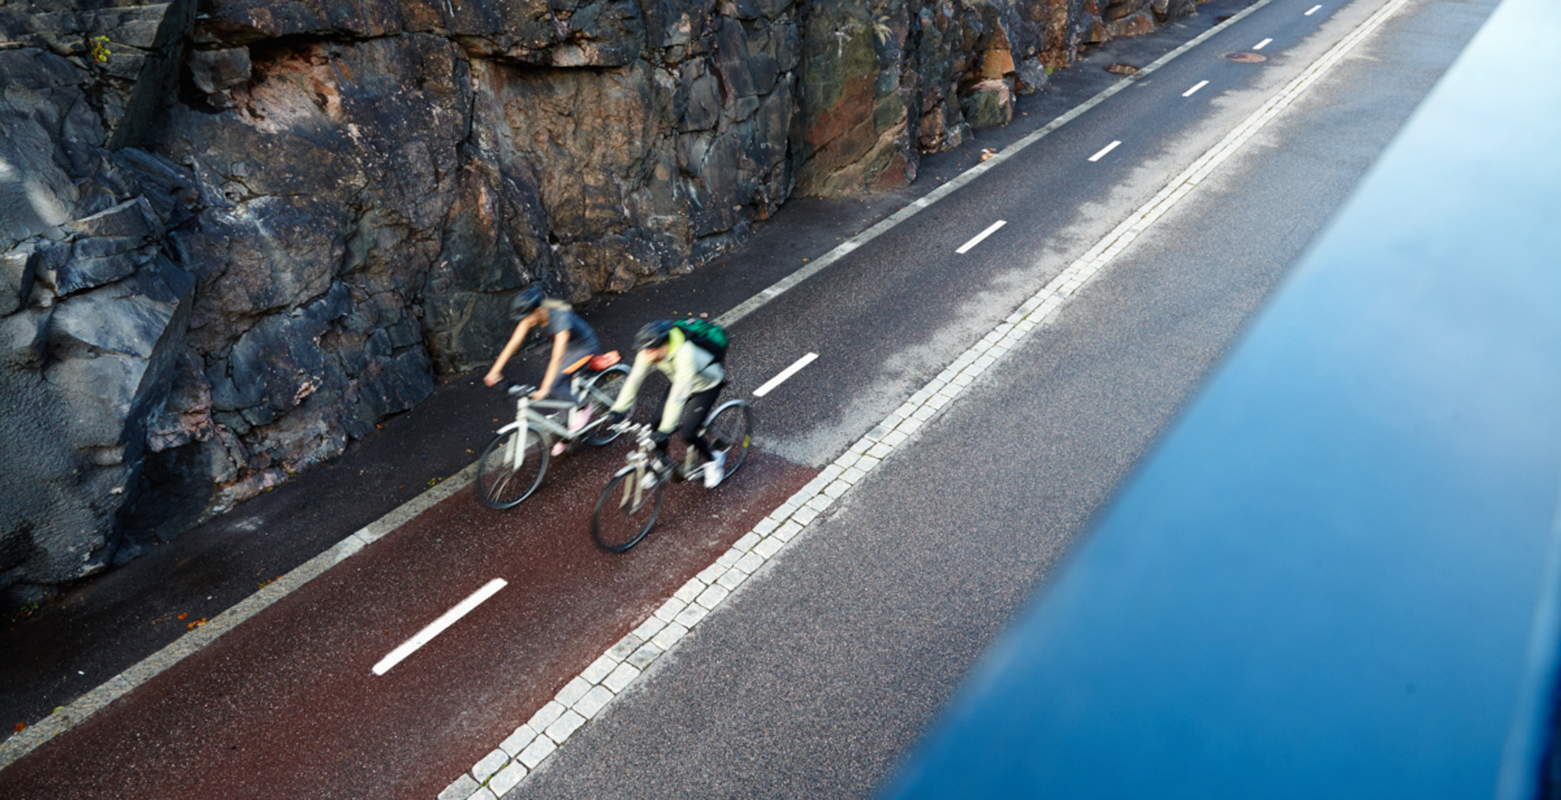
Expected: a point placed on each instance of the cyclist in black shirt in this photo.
(574, 343)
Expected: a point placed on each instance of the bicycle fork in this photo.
(634, 489)
(515, 449)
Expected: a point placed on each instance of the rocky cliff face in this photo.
(234, 234)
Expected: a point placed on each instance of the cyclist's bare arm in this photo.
(496, 372)
(554, 364)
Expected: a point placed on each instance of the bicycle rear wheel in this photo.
(626, 511)
(729, 430)
(601, 391)
(511, 467)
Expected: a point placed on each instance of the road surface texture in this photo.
(823, 670)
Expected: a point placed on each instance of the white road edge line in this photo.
(1196, 87)
(965, 248)
(1311, 11)
(439, 625)
(1104, 150)
(68, 716)
(784, 374)
(591, 692)
(1262, 44)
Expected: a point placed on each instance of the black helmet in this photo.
(529, 299)
(654, 334)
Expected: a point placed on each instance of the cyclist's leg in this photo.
(694, 412)
(574, 359)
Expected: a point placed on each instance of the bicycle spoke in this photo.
(510, 468)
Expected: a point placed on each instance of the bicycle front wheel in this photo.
(600, 393)
(729, 429)
(511, 467)
(626, 511)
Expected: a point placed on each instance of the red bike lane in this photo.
(286, 704)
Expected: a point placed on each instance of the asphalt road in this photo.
(106, 624)
(814, 678)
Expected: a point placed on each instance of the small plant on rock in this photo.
(97, 47)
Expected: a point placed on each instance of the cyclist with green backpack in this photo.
(690, 353)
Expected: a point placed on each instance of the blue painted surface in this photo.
(1335, 576)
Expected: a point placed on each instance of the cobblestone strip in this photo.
(587, 695)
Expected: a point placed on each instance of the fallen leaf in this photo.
(20, 726)
(196, 624)
(185, 614)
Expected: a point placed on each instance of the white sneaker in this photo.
(715, 470)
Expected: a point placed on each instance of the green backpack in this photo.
(709, 336)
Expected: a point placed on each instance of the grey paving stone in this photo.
(628, 644)
(490, 764)
(669, 636)
(642, 658)
(650, 627)
(590, 705)
(519, 740)
(750, 563)
(539, 750)
(507, 779)
(460, 789)
(692, 615)
(621, 678)
(712, 597)
(733, 577)
(545, 715)
(564, 726)
(598, 669)
(769, 547)
(572, 691)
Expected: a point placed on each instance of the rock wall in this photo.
(234, 234)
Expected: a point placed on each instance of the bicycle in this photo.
(628, 507)
(512, 465)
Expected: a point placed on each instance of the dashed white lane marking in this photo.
(1312, 10)
(784, 374)
(1262, 44)
(1196, 87)
(1103, 151)
(438, 626)
(965, 248)
(588, 694)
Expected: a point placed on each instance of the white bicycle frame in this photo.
(526, 416)
(639, 461)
